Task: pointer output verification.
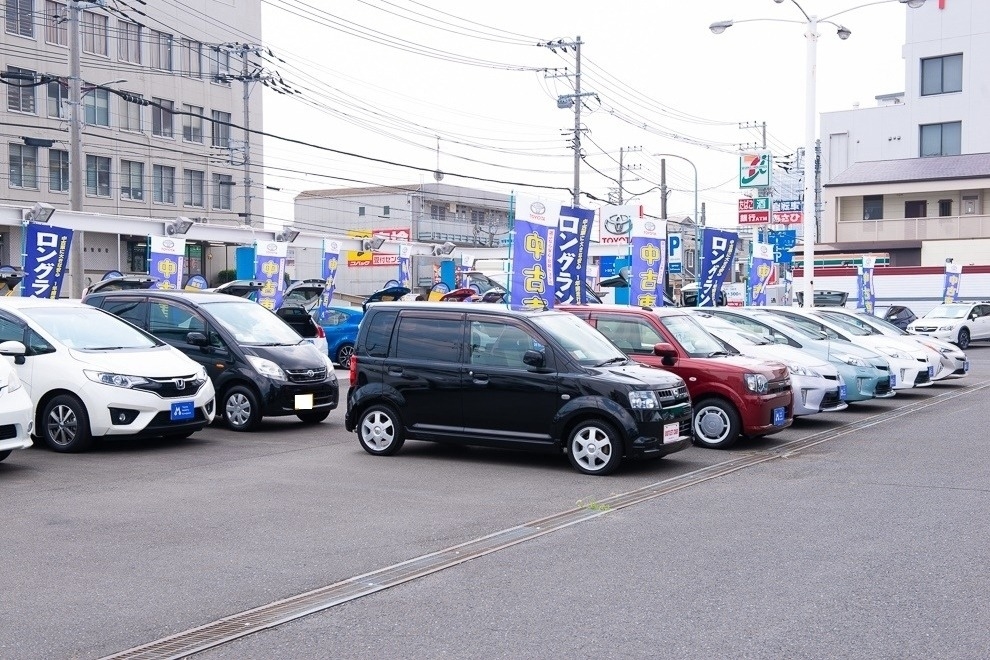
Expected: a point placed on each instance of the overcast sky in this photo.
(384, 81)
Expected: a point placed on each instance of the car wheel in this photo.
(65, 425)
(380, 431)
(4, 454)
(716, 424)
(344, 354)
(313, 417)
(595, 447)
(963, 341)
(240, 408)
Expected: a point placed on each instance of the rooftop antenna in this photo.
(437, 174)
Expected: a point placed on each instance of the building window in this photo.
(163, 184)
(386, 210)
(161, 51)
(96, 105)
(161, 117)
(438, 212)
(98, 176)
(56, 23)
(916, 209)
(192, 58)
(219, 64)
(94, 33)
(23, 166)
(131, 180)
(873, 207)
(130, 113)
(20, 17)
(192, 123)
(222, 185)
(129, 42)
(944, 208)
(941, 139)
(58, 96)
(221, 129)
(193, 180)
(58, 170)
(20, 90)
(361, 211)
(941, 75)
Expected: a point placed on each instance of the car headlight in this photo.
(946, 327)
(115, 380)
(643, 400)
(201, 374)
(801, 370)
(757, 383)
(850, 359)
(893, 352)
(13, 383)
(331, 367)
(266, 367)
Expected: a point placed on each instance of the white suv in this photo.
(959, 323)
(15, 404)
(90, 374)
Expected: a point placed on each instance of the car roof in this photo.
(473, 308)
(196, 297)
(632, 309)
(16, 302)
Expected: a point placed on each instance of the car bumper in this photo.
(757, 415)
(16, 408)
(944, 335)
(814, 394)
(281, 398)
(653, 442)
(906, 374)
(117, 411)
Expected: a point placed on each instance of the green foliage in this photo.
(225, 276)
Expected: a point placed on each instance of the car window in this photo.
(135, 311)
(335, 318)
(429, 338)
(174, 322)
(37, 345)
(632, 336)
(250, 323)
(11, 330)
(498, 344)
(379, 333)
(88, 328)
(692, 337)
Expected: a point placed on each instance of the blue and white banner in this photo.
(331, 259)
(950, 287)
(646, 266)
(46, 257)
(760, 269)
(675, 252)
(570, 278)
(405, 266)
(269, 268)
(197, 283)
(864, 279)
(533, 235)
(167, 257)
(718, 247)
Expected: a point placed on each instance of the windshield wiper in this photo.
(717, 353)
(105, 348)
(609, 361)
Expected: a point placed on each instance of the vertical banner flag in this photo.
(165, 265)
(532, 251)
(649, 249)
(46, 256)
(675, 252)
(718, 247)
(788, 288)
(760, 269)
(405, 266)
(269, 267)
(570, 278)
(867, 294)
(950, 287)
(331, 259)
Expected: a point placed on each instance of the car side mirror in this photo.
(197, 339)
(12, 348)
(535, 359)
(667, 352)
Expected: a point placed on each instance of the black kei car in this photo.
(259, 365)
(485, 375)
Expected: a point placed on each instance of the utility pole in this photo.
(663, 189)
(246, 77)
(621, 170)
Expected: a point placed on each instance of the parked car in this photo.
(303, 292)
(959, 323)
(259, 365)
(90, 375)
(340, 325)
(240, 288)
(121, 283)
(16, 410)
(825, 298)
(897, 315)
(300, 320)
(734, 396)
(487, 375)
(387, 294)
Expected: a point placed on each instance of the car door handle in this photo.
(395, 371)
(478, 379)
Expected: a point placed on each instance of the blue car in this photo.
(341, 327)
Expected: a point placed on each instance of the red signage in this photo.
(788, 217)
(754, 217)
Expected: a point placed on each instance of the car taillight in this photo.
(320, 334)
(352, 371)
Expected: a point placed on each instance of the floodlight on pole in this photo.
(287, 235)
(179, 226)
(443, 249)
(40, 212)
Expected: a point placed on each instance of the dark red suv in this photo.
(733, 396)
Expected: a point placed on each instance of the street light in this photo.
(697, 225)
(810, 117)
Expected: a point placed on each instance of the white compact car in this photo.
(90, 374)
(15, 404)
(959, 323)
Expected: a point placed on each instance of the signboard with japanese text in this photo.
(571, 255)
(649, 249)
(166, 264)
(364, 259)
(405, 266)
(754, 170)
(754, 210)
(535, 229)
(782, 241)
(269, 268)
(331, 261)
(761, 268)
(950, 287)
(787, 212)
(46, 258)
(675, 253)
(396, 234)
(864, 278)
(718, 247)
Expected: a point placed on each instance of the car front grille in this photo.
(830, 377)
(306, 375)
(922, 378)
(776, 386)
(673, 395)
(172, 388)
(831, 399)
(925, 328)
(883, 386)
(8, 431)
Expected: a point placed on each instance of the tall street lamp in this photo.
(810, 117)
(697, 225)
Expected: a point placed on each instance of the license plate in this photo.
(304, 402)
(842, 392)
(778, 416)
(182, 410)
(671, 433)
(931, 371)
(893, 380)
(966, 366)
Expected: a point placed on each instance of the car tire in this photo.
(963, 340)
(715, 423)
(4, 454)
(64, 425)
(240, 408)
(314, 417)
(594, 447)
(380, 430)
(343, 357)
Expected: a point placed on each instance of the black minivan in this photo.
(260, 367)
(482, 374)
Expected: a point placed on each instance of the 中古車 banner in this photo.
(331, 260)
(166, 262)
(867, 294)
(269, 268)
(46, 257)
(533, 236)
(646, 266)
(760, 269)
(405, 266)
(950, 286)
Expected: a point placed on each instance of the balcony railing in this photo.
(914, 229)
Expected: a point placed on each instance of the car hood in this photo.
(635, 373)
(296, 356)
(158, 362)
(783, 353)
(772, 368)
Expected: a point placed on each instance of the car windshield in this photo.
(693, 338)
(584, 343)
(250, 323)
(948, 312)
(794, 332)
(853, 325)
(87, 328)
(886, 326)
